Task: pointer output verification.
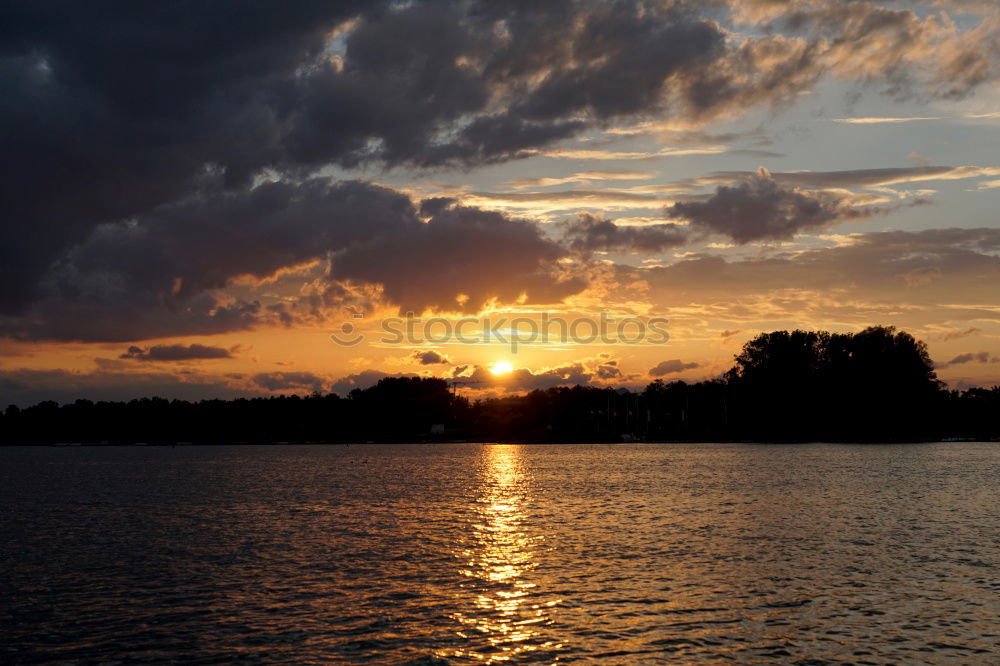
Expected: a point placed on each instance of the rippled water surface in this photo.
(471, 553)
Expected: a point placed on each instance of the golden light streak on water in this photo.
(502, 605)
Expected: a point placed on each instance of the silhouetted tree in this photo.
(875, 384)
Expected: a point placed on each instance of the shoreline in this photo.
(945, 440)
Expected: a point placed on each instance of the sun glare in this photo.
(501, 368)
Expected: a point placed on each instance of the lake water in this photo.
(470, 553)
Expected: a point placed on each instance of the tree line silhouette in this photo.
(875, 385)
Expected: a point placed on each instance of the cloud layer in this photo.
(115, 114)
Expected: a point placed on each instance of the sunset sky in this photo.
(196, 195)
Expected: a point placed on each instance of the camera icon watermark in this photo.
(513, 332)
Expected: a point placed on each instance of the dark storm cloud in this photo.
(759, 208)
(122, 110)
(112, 113)
(429, 357)
(112, 109)
(203, 241)
(154, 275)
(591, 233)
(426, 84)
(621, 61)
(672, 366)
(459, 260)
(192, 352)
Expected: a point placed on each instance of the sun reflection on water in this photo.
(502, 608)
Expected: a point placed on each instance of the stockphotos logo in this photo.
(512, 332)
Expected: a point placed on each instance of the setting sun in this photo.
(501, 368)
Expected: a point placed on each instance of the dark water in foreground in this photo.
(481, 554)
